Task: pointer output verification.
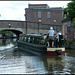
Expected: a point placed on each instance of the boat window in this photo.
(42, 41)
(28, 39)
(36, 40)
(31, 39)
(44, 37)
(25, 39)
(22, 38)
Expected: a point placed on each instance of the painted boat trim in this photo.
(53, 49)
(54, 53)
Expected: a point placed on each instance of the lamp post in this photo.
(38, 25)
(9, 26)
(26, 27)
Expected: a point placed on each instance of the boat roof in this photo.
(32, 34)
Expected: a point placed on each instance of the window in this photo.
(48, 14)
(25, 39)
(39, 14)
(28, 39)
(22, 38)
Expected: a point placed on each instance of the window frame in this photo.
(39, 14)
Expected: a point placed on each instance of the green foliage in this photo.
(1, 32)
(65, 10)
(6, 32)
(70, 10)
(65, 41)
(70, 42)
(73, 22)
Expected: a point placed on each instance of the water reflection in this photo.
(70, 61)
(7, 43)
(55, 65)
(19, 62)
(3, 42)
(70, 52)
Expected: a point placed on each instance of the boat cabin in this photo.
(33, 38)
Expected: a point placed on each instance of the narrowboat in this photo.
(37, 44)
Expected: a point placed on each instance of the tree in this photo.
(73, 22)
(70, 10)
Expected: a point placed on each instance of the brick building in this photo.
(65, 24)
(43, 13)
(68, 31)
(71, 33)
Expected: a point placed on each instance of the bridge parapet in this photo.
(26, 26)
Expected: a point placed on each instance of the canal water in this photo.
(14, 61)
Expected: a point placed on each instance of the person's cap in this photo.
(51, 28)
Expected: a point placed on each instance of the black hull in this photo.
(32, 48)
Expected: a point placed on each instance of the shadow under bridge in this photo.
(17, 32)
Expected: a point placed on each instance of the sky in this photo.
(15, 10)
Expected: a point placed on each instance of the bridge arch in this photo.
(16, 31)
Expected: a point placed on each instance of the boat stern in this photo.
(55, 51)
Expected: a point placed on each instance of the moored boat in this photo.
(36, 44)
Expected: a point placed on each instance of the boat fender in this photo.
(58, 52)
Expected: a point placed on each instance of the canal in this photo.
(14, 61)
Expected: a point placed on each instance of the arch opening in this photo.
(16, 32)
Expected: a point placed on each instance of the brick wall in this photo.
(38, 6)
(32, 27)
(31, 14)
(71, 33)
(65, 26)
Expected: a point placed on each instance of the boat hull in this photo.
(32, 48)
(39, 49)
(55, 51)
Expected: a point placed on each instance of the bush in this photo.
(70, 41)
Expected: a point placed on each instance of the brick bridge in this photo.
(19, 27)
